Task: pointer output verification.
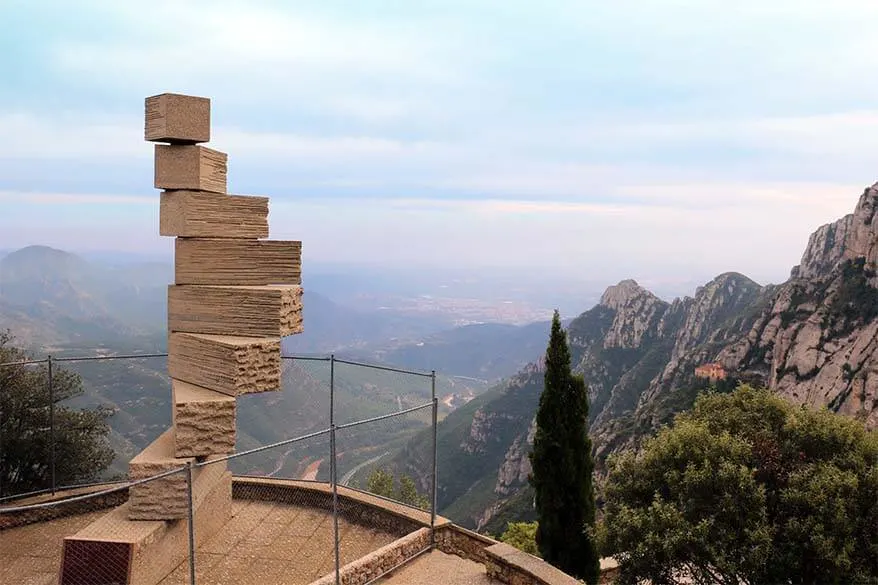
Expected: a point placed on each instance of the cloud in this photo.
(8, 197)
(837, 133)
(830, 200)
(99, 138)
(603, 241)
(241, 50)
(329, 149)
(63, 136)
(647, 136)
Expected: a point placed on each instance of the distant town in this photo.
(465, 311)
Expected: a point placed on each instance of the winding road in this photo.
(346, 478)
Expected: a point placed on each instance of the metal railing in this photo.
(390, 455)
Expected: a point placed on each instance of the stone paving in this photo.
(31, 555)
(264, 543)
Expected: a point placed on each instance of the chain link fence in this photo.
(313, 463)
(56, 413)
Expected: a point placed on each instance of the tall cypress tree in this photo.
(562, 467)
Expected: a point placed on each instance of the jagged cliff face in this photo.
(516, 464)
(680, 336)
(849, 238)
(813, 339)
(636, 312)
(817, 344)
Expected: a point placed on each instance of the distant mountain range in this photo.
(60, 303)
(55, 301)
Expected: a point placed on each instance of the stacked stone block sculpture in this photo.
(234, 296)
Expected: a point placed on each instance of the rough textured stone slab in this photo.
(167, 498)
(177, 118)
(250, 311)
(507, 564)
(237, 262)
(204, 421)
(368, 568)
(196, 214)
(231, 365)
(190, 167)
(153, 548)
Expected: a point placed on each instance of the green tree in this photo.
(382, 483)
(562, 467)
(522, 535)
(82, 452)
(747, 488)
(408, 493)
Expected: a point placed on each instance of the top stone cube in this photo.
(177, 119)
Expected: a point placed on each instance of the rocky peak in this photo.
(624, 294)
(863, 239)
(714, 304)
(825, 249)
(853, 236)
(722, 297)
(637, 310)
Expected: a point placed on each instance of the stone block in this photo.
(249, 311)
(237, 262)
(115, 549)
(177, 119)
(230, 365)
(196, 214)
(195, 168)
(204, 421)
(167, 498)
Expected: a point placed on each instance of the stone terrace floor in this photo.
(264, 543)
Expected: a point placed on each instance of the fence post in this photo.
(191, 523)
(333, 477)
(331, 390)
(51, 382)
(2, 466)
(435, 460)
(333, 468)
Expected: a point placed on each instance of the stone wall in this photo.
(464, 543)
(507, 564)
(379, 562)
(61, 509)
(354, 506)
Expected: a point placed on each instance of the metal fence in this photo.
(337, 434)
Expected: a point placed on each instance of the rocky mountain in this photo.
(812, 339)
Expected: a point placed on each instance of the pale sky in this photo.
(639, 139)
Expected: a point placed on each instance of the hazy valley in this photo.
(66, 305)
